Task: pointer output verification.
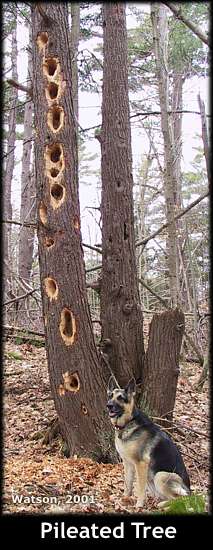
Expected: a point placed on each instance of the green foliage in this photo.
(14, 355)
(193, 504)
(186, 51)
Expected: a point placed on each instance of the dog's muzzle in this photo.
(113, 409)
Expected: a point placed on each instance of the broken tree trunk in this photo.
(161, 366)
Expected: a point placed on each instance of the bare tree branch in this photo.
(21, 297)
(194, 28)
(20, 86)
(194, 203)
(25, 224)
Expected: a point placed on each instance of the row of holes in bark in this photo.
(67, 324)
(54, 158)
(55, 120)
(51, 69)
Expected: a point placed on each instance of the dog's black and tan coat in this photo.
(146, 451)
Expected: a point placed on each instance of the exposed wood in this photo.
(77, 382)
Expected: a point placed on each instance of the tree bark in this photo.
(9, 166)
(75, 37)
(28, 200)
(160, 38)
(77, 382)
(161, 367)
(121, 316)
(205, 137)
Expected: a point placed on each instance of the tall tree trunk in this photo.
(77, 381)
(9, 165)
(28, 202)
(75, 36)
(121, 316)
(160, 38)
(176, 120)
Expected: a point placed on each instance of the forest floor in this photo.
(38, 478)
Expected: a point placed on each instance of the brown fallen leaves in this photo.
(38, 479)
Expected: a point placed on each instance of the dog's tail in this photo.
(170, 485)
(178, 487)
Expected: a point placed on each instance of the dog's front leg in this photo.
(141, 474)
(129, 473)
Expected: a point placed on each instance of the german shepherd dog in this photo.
(146, 451)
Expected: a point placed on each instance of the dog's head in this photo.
(120, 401)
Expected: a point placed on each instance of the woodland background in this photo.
(176, 99)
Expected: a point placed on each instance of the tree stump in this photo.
(161, 368)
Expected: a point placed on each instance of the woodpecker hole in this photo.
(54, 159)
(51, 288)
(67, 326)
(84, 409)
(55, 118)
(43, 213)
(71, 381)
(49, 242)
(52, 91)
(50, 67)
(55, 152)
(42, 40)
(57, 195)
(54, 172)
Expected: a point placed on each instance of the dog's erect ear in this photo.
(112, 384)
(131, 387)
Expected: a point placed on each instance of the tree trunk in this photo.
(160, 38)
(205, 137)
(75, 36)
(161, 367)
(77, 381)
(28, 200)
(9, 166)
(121, 316)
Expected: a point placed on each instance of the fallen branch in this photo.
(26, 331)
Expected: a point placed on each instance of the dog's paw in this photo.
(139, 503)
